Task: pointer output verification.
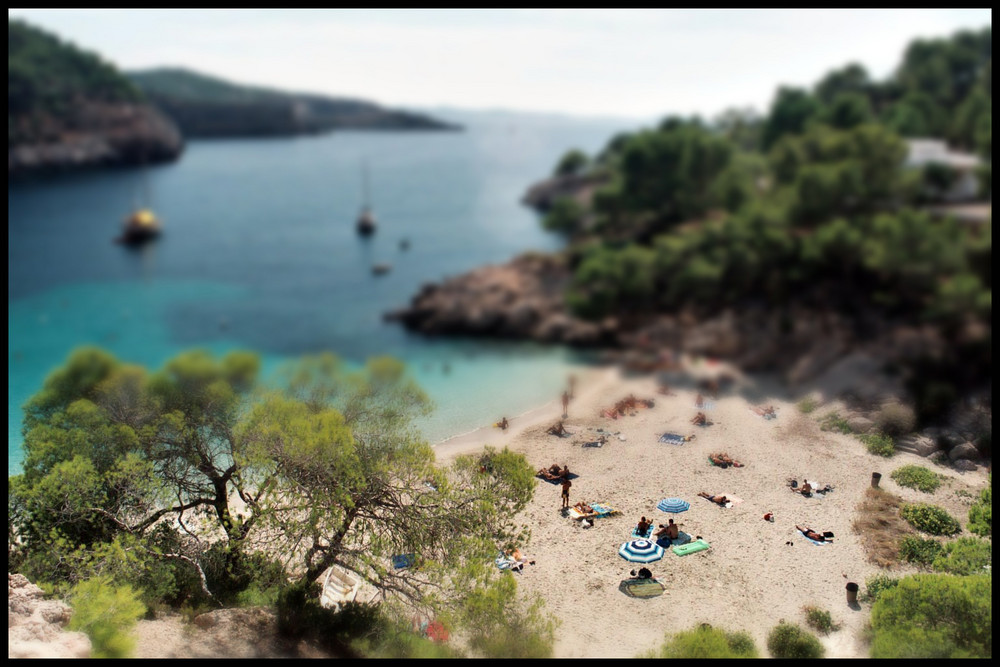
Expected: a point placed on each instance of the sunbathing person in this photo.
(806, 488)
(644, 526)
(583, 508)
(558, 429)
(503, 424)
(552, 472)
(670, 530)
(812, 534)
(718, 500)
(700, 419)
(722, 460)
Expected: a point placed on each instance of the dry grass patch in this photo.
(880, 526)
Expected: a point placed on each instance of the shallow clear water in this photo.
(259, 251)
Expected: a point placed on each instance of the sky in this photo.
(622, 63)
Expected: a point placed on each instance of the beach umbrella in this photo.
(641, 551)
(674, 505)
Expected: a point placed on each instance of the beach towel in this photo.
(595, 443)
(557, 480)
(819, 544)
(641, 588)
(672, 438)
(733, 500)
(503, 562)
(403, 561)
(642, 536)
(604, 510)
(690, 548)
(706, 405)
(576, 514)
(666, 542)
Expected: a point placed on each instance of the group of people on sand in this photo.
(554, 472)
(806, 488)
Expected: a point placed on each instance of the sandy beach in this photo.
(750, 578)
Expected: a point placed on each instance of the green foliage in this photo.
(48, 76)
(807, 405)
(878, 444)
(705, 641)
(571, 163)
(917, 477)
(966, 555)
(981, 512)
(914, 549)
(790, 113)
(877, 585)
(930, 519)
(501, 626)
(565, 215)
(834, 422)
(790, 641)
(820, 620)
(107, 614)
(934, 616)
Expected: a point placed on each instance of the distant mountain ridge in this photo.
(206, 106)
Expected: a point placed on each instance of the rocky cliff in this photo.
(93, 134)
(35, 625)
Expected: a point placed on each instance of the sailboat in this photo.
(141, 225)
(366, 221)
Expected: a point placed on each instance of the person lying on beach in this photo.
(519, 560)
(718, 500)
(700, 419)
(583, 508)
(558, 429)
(722, 459)
(812, 534)
(765, 411)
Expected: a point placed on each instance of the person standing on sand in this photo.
(565, 402)
(565, 493)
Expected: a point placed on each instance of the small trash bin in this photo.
(876, 476)
(852, 593)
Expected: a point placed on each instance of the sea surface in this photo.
(260, 252)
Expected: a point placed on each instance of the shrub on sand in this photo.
(820, 620)
(917, 477)
(706, 642)
(878, 522)
(878, 444)
(930, 519)
(791, 641)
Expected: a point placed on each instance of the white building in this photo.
(926, 151)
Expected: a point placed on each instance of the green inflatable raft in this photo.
(690, 547)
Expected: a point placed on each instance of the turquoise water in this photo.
(259, 252)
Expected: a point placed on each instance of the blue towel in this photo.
(706, 405)
(403, 561)
(672, 438)
(644, 536)
(600, 509)
(819, 544)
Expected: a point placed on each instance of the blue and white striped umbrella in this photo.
(641, 551)
(673, 505)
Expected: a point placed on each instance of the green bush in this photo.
(895, 419)
(820, 620)
(981, 512)
(966, 555)
(706, 642)
(877, 585)
(878, 444)
(930, 519)
(807, 405)
(107, 614)
(791, 641)
(834, 422)
(934, 616)
(914, 549)
(917, 477)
